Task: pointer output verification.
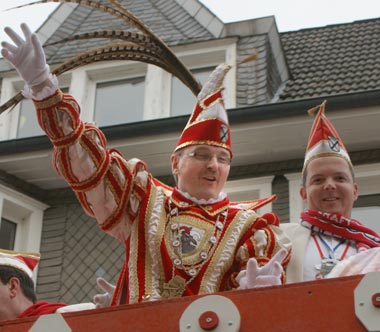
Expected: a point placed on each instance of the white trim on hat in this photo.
(16, 263)
(23, 261)
(322, 149)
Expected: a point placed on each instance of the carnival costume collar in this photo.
(203, 201)
(211, 207)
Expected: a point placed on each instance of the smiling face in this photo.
(329, 186)
(199, 177)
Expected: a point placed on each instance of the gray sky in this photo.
(290, 14)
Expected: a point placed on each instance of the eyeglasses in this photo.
(206, 157)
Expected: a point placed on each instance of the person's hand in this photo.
(104, 300)
(267, 275)
(26, 55)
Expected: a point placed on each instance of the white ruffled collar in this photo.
(203, 201)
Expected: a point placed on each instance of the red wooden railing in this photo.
(325, 305)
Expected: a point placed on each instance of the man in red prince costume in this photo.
(228, 245)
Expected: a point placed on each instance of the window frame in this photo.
(2, 220)
(82, 81)
(157, 97)
(204, 70)
(250, 189)
(117, 84)
(27, 213)
(9, 123)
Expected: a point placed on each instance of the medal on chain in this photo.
(177, 284)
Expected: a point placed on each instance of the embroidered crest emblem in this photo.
(223, 133)
(188, 240)
(334, 144)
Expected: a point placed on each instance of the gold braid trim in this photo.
(50, 101)
(22, 253)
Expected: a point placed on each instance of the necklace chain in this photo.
(176, 243)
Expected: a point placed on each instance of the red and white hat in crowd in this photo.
(208, 124)
(324, 140)
(24, 261)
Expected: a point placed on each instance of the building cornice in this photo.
(237, 116)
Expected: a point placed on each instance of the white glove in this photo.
(267, 275)
(27, 56)
(104, 300)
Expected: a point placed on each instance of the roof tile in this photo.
(334, 59)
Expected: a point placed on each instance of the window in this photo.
(250, 189)
(7, 234)
(119, 102)
(21, 221)
(27, 122)
(367, 211)
(182, 99)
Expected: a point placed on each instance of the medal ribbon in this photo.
(330, 250)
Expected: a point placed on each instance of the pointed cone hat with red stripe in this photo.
(324, 140)
(208, 124)
(24, 261)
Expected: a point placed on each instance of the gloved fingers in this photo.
(14, 36)
(268, 268)
(26, 30)
(267, 275)
(98, 298)
(252, 269)
(9, 47)
(105, 285)
(265, 281)
(7, 55)
(277, 269)
(276, 260)
(102, 300)
(39, 52)
(243, 283)
(279, 256)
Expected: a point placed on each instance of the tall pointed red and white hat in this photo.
(208, 124)
(324, 140)
(24, 261)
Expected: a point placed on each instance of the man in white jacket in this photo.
(326, 234)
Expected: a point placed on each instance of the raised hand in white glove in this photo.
(26, 55)
(104, 300)
(267, 275)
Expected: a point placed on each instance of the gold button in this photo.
(208, 208)
(145, 297)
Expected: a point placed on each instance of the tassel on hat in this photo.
(23, 261)
(324, 140)
(208, 124)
